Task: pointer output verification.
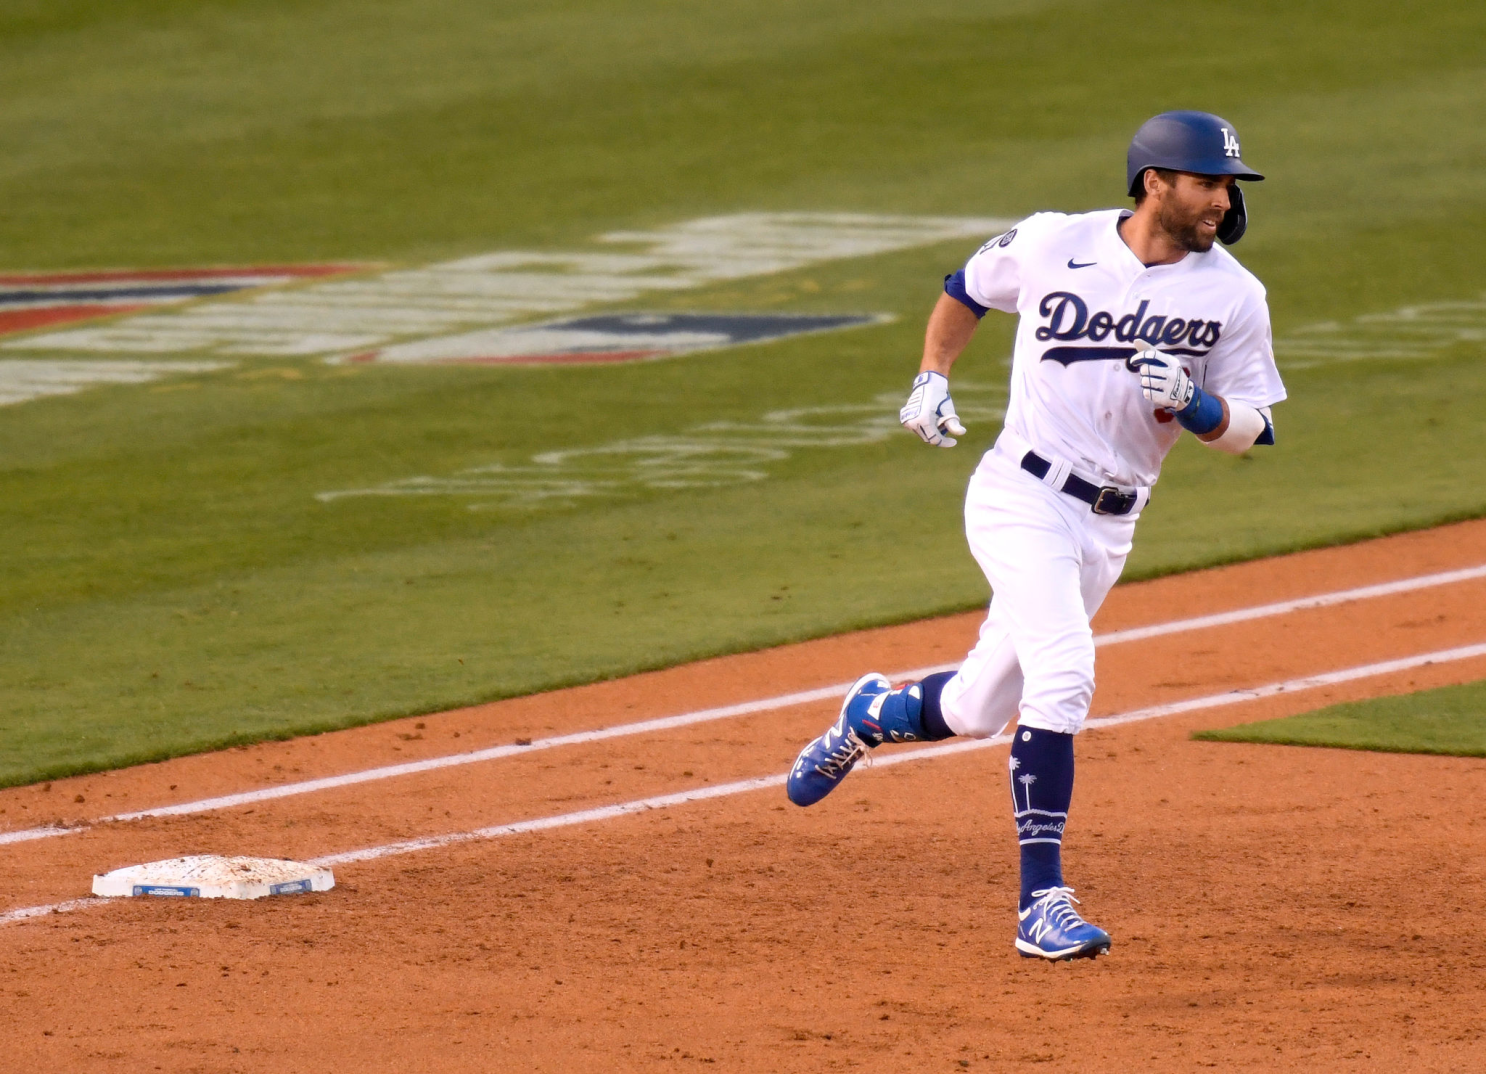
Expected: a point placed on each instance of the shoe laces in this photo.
(1058, 906)
(839, 760)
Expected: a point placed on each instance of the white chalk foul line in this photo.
(25, 835)
(409, 768)
(1322, 600)
(724, 790)
(624, 809)
(25, 913)
(804, 697)
(1290, 686)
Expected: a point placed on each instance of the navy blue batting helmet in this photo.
(1198, 142)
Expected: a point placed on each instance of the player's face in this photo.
(1191, 209)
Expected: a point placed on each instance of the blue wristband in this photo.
(954, 287)
(1203, 414)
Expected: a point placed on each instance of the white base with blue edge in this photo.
(213, 876)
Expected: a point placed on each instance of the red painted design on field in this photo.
(580, 358)
(561, 359)
(32, 300)
(10, 279)
(24, 320)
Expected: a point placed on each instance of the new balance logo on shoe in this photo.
(1051, 928)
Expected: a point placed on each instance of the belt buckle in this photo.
(1119, 503)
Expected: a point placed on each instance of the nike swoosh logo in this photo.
(1074, 264)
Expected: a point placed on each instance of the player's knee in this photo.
(1058, 699)
(976, 724)
(972, 720)
(981, 703)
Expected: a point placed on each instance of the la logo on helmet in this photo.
(1230, 143)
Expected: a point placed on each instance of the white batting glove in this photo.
(1162, 379)
(930, 411)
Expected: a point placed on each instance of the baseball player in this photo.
(1133, 327)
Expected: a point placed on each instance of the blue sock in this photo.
(1041, 788)
(909, 714)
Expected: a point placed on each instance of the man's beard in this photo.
(1183, 229)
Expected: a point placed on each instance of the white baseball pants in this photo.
(1050, 561)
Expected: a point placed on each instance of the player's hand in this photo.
(1162, 379)
(930, 411)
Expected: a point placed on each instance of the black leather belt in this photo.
(1103, 499)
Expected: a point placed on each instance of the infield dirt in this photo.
(1272, 908)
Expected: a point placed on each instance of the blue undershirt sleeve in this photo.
(954, 287)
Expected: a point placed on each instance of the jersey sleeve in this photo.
(1241, 366)
(993, 275)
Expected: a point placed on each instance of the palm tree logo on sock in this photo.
(1026, 779)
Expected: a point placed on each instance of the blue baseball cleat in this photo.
(1050, 928)
(824, 763)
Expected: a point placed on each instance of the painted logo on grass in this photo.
(615, 337)
(436, 308)
(23, 379)
(33, 300)
(710, 455)
(467, 309)
(1421, 331)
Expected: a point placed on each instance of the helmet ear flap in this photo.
(1236, 220)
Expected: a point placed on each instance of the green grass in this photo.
(170, 582)
(1450, 720)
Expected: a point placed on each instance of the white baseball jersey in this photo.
(1087, 303)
